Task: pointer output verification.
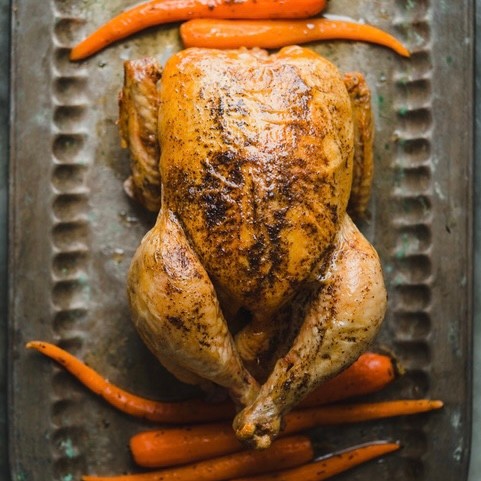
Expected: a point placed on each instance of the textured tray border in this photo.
(4, 474)
(70, 233)
(4, 124)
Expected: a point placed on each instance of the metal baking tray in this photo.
(73, 232)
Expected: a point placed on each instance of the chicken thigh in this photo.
(251, 160)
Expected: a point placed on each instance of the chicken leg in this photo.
(341, 321)
(177, 314)
(262, 335)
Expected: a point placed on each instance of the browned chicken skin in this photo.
(257, 154)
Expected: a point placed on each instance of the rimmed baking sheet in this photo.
(73, 232)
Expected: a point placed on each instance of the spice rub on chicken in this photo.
(253, 162)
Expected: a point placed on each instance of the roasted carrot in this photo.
(279, 33)
(283, 454)
(352, 413)
(166, 447)
(175, 445)
(368, 374)
(158, 12)
(180, 445)
(191, 411)
(330, 465)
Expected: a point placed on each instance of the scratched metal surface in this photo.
(72, 233)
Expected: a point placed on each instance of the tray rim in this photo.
(470, 195)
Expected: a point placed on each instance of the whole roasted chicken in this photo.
(254, 277)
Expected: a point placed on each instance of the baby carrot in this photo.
(330, 465)
(169, 412)
(156, 12)
(368, 374)
(227, 34)
(284, 453)
(164, 447)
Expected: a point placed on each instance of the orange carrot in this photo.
(171, 446)
(279, 33)
(185, 444)
(368, 374)
(330, 465)
(353, 413)
(283, 454)
(191, 411)
(156, 12)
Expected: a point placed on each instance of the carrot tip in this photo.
(76, 54)
(392, 446)
(387, 447)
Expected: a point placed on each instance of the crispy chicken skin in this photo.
(139, 105)
(258, 157)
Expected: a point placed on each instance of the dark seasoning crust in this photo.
(272, 177)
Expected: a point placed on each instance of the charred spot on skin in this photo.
(277, 262)
(289, 366)
(171, 290)
(229, 165)
(204, 344)
(286, 189)
(215, 208)
(309, 228)
(222, 174)
(255, 254)
(178, 323)
(177, 180)
(274, 231)
(333, 213)
(304, 385)
(217, 111)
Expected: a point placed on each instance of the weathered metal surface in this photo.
(73, 232)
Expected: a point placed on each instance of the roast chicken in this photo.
(254, 278)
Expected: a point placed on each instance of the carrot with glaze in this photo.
(283, 454)
(185, 444)
(225, 34)
(157, 12)
(330, 465)
(369, 373)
